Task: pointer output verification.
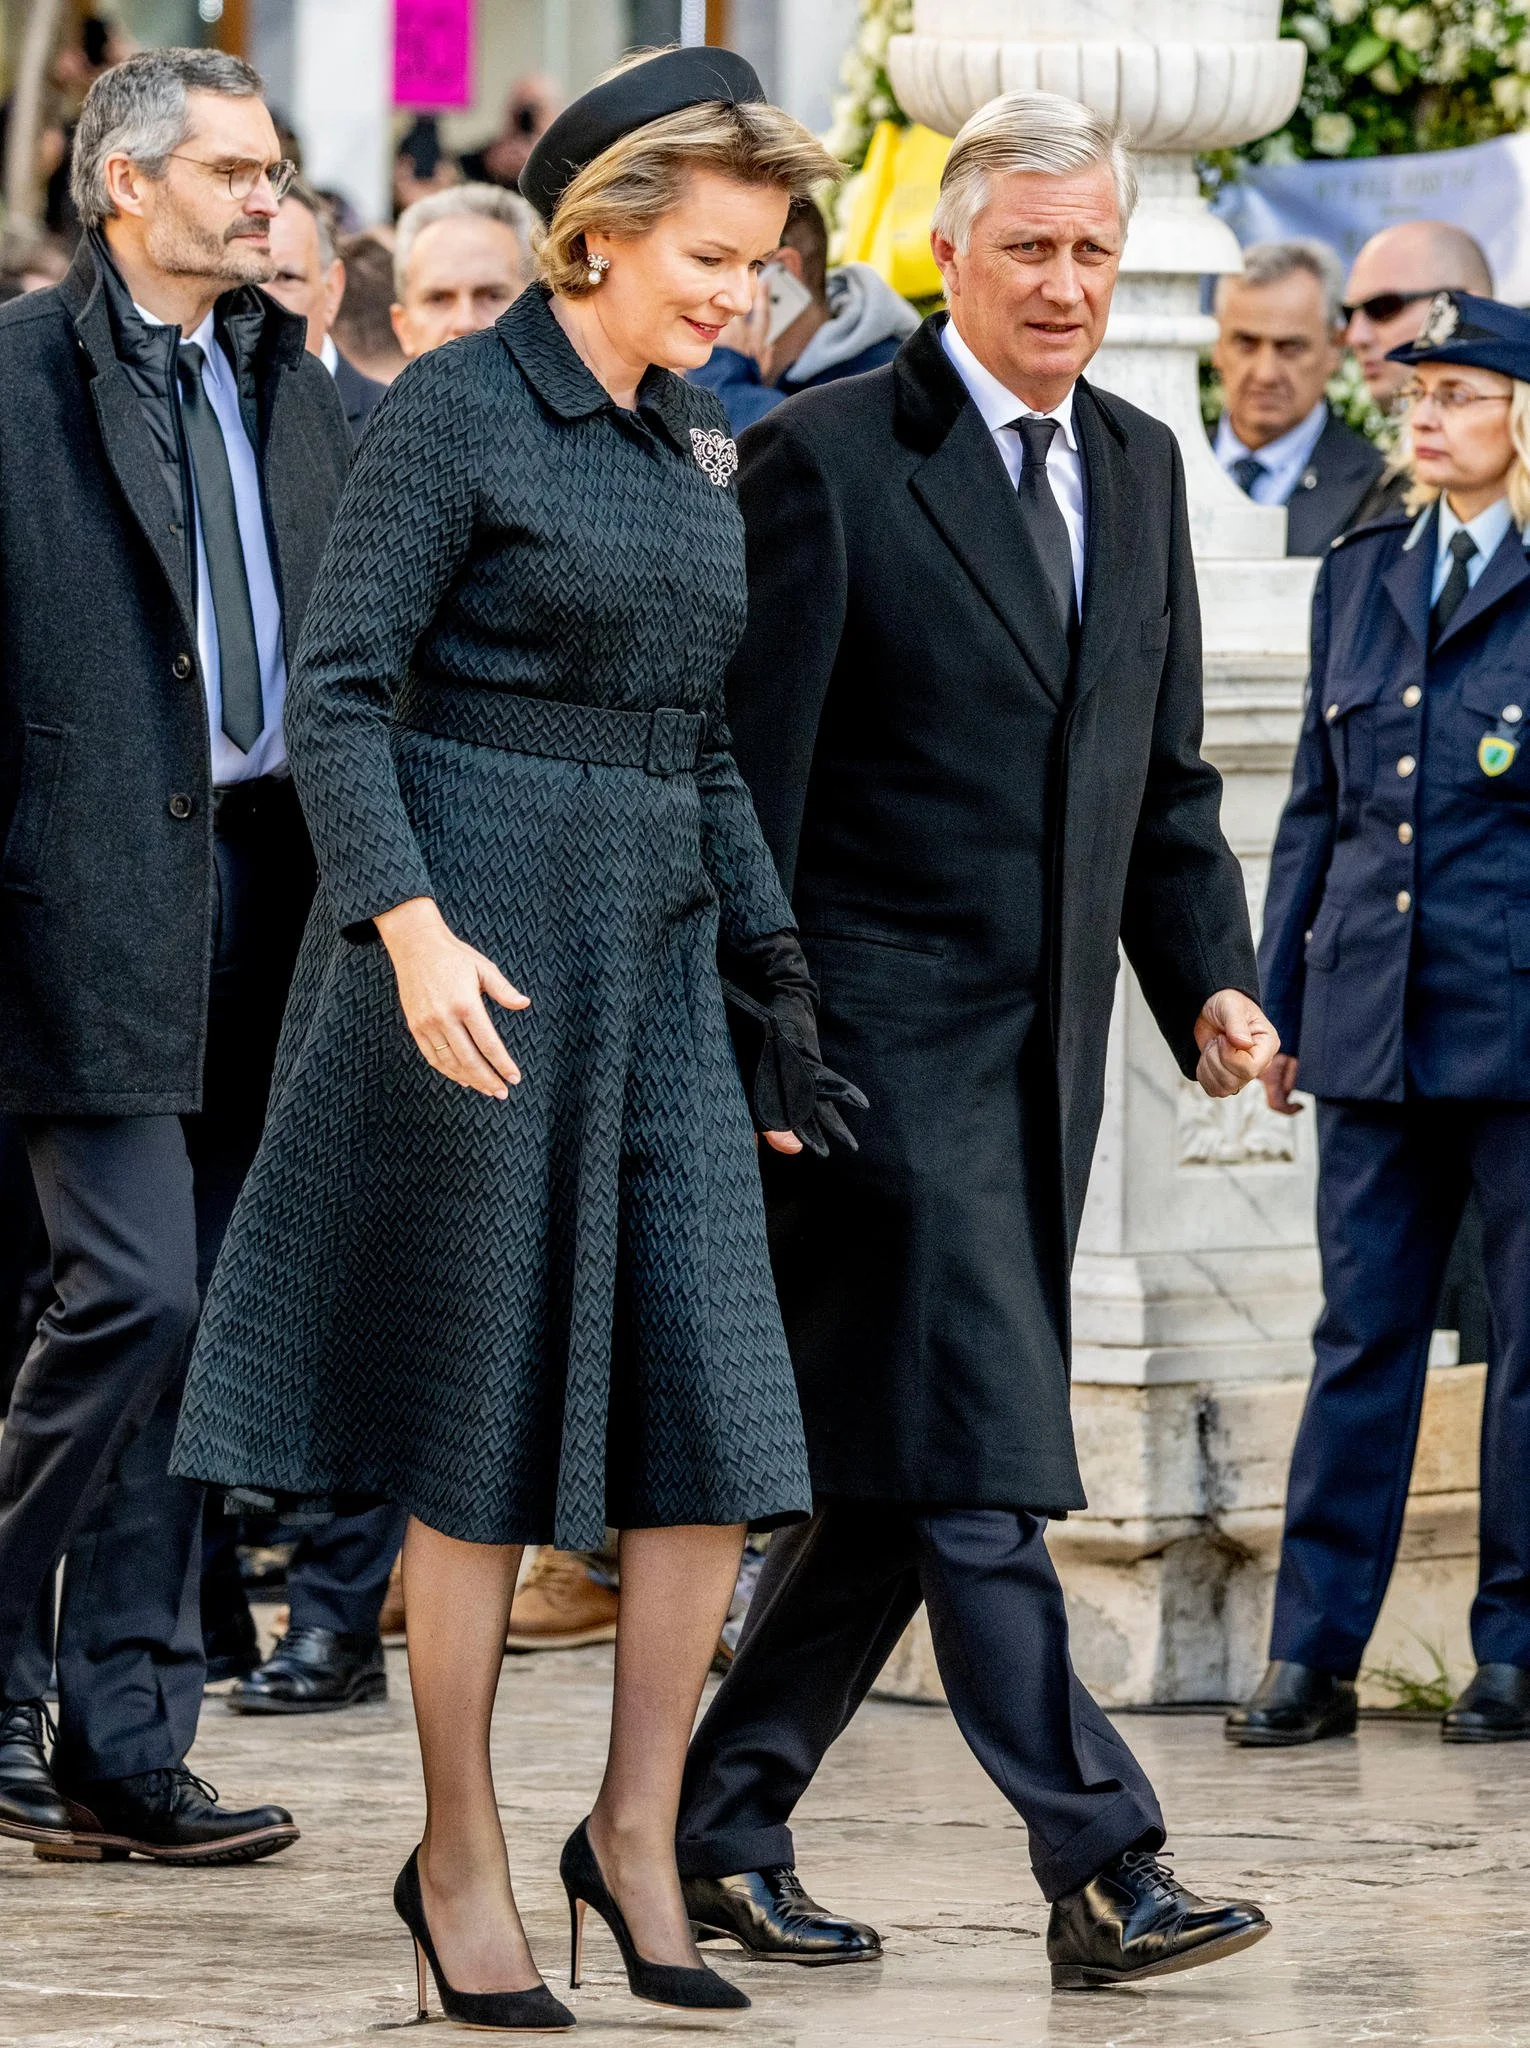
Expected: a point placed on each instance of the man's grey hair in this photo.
(489, 202)
(1273, 262)
(138, 110)
(310, 202)
(1028, 131)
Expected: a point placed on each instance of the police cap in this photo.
(1461, 328)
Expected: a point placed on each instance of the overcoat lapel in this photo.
(1114, 498)
(964, 488)
(1408, 580)
(1504, 573)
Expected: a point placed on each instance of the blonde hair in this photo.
(628, 188)
(1419, 495)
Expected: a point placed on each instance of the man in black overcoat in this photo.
(968, 704)
(170, 460)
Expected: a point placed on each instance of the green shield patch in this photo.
(1495, 756)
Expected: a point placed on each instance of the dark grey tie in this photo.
(1246, 472)
(238, 657)
(1043, 515)
(1461, 547)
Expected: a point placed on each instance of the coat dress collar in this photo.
(965, 489)
(570, 390)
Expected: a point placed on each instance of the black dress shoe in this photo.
(1135, 1919)
(1294, 1704)
(170, 1817)
(314, 1671)
(1495, 1707)
(769, 1914)
(30, 1807)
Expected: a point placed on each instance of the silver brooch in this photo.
(716, 453)
(1440, 322)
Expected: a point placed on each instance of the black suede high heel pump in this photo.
(659, 1983)
(522, 2012)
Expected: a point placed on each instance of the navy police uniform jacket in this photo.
(1396, 953)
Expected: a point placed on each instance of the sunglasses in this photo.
(1384, 306)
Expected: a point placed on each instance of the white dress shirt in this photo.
(329, 355)
(268, 756)
(1285, 458)
(999, 409)
(1487, 530)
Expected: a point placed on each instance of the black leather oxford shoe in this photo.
(1135, 1919)
(1294, 1704)
(314, 1671)
(170, 1817)
(30, 1806)
(1495, 1707)
(769, 1914)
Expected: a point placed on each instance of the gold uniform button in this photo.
(1406, 765)
(1412, 695)
(1404, 900)
(1331, 713)
(1405, 833)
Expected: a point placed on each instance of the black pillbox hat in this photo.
(647, 92)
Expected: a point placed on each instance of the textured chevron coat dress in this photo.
(521, 1320)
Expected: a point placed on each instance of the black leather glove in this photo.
(773, 1015)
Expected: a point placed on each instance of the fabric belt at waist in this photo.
(664, 742)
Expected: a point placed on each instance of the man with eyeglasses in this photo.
(170, 460)
(1386, 302)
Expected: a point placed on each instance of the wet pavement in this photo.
(1393, 1868)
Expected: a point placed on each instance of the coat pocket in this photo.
(26, 841)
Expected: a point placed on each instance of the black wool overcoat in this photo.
(106, 871)
(968, 829)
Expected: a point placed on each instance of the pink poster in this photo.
(432, 53)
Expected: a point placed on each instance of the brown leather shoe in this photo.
(561, 1605)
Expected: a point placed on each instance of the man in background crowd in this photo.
(363, 327)
(460, 258)
(1391, 283)
(310, 280)
(529, 113)
(1281, 339)
(847, 320)
(171, 463)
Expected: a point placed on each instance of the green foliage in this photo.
(1413, 1693)
(1386, 80)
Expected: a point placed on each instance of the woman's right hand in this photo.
(442, 982)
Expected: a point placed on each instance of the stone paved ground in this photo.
(1394, 1869)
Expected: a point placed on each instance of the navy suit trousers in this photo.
(834, 1596)
(135, 1209)
(1393, 1180)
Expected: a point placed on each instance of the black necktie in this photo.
(1455, 586)
(238, 658)
(1043, 515)
(1246, 472)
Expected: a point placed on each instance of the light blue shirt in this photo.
(268, 756)
(999, 407)
(1285, 458)
(1487, 530)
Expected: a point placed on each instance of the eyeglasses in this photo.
(245, 173)
(1384, 306)
(1454, 397)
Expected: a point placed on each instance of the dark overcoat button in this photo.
(181, 806)
(181, 667)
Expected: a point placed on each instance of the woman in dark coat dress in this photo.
(524, 1307)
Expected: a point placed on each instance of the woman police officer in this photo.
(1396, 967)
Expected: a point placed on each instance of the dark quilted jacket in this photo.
(521, 1320)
